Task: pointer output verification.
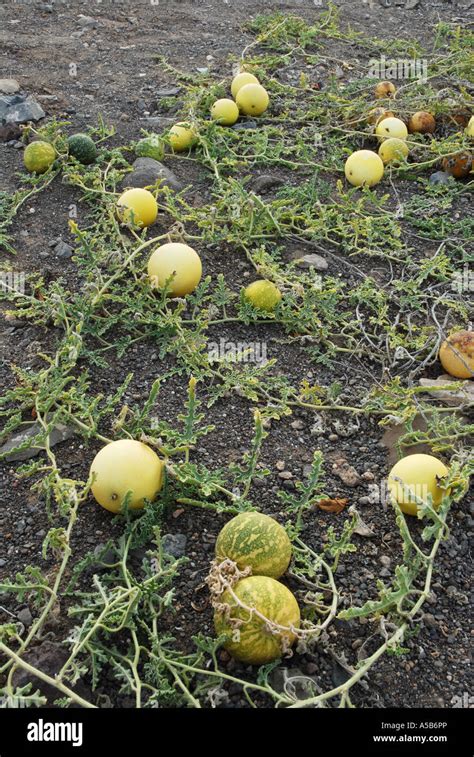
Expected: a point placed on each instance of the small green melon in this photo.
(83, 148)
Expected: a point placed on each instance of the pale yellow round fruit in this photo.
(364, 167)
(263, 294)
(417, 476)
(457, 354)
(470, 127)
(182, 136)
(384, 89)
(391, 127)
(225, 111)
(137, 206)
(393, 150)
(122, 467)
(252, 99)
(240, 81)
(179, 261)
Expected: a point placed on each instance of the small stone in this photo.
(87, 21)
(346, 472)
(440, 177)
(2, 563)
(313, 261)
(9, 86)
(174, 544)
(25, 616)
(280, 465)
(169, 92)
(333, 437)
(20, 526)
(286, 475)
(147, 171)
(385, 560)
(63, 250)
(297, 425)
(265, 182)
(240, 125)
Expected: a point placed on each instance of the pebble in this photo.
(313, 261)
(298, 425)
(63, 250)
(2, 563)
(9, 86)
(265, 182)
(385, 560)
(440, 177)
(286, 475)
(174, 544)
(240, 125)
(147, 171)
(25, 616)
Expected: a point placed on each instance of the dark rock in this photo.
(169, 92)
(147, 171)
(240, 125)
(63, 250)
(24, 616)
(174, 544)
(265, 182)
(59, 434)
(18, 109)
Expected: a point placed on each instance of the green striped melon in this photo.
(254, 540)
(253, 642)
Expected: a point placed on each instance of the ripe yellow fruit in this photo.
(263, 295)
(419, 476)
(470, 127)
(225, 111)
(137, 206)
(177, 260)
(252, 99)
(391, 127)
(182, 137)
(393, 150)
(39, 156)
(385, 89)
(421, 122)
(240, 81)
(126, 466)
(457, 354)
(364, 167)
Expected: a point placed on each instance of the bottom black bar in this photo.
(84, 732)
